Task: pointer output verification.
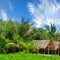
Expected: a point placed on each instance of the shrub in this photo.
(32, 48)
(23, 46)
(11, 47)
(2, 42)
(17, 39)
(2, 51)
(28, 47)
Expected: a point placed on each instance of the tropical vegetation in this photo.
(19, 36)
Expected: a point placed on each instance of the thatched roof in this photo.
(42, 43)
(56, 43)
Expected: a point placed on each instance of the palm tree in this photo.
(51, 30)
(23, 27)
(29, 31)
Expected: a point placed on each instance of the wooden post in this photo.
(44, 50)
(48, 50)
(52, 52)
(55, 52)
(58, 51)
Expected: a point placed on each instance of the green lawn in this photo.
(27, 56)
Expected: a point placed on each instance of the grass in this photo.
(27, 56)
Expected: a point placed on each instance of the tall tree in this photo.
(23, 27)
(51, 30)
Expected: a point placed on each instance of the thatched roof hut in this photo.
(48, 46)
(45, 45)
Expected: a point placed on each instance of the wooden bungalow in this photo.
(46, 46)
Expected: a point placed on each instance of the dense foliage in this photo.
(19, 36)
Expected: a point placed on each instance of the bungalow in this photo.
(46, 46)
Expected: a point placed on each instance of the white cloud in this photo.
(45, 12)
(10, 6)
(31, 8)
(3, 15)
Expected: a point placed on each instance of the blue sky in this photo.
(40, 12)
(14, 9)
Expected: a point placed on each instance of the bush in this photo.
(2, 42)
(28, 47)
(2, 51)
(32, 48)
(23, 46)
(11, 48)
(17, 39)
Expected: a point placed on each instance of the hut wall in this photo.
(50, 48)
